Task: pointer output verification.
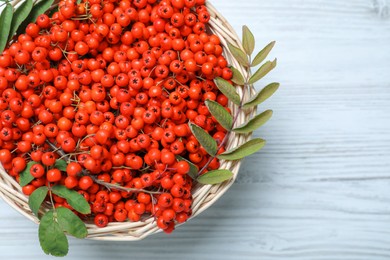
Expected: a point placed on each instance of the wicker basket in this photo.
(203, 195)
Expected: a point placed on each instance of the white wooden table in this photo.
(321, 187)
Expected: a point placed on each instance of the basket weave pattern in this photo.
(203, 195)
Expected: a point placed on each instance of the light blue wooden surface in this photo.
(320, 189)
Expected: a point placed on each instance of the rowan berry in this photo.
(101, 220)
(48, 158)
(71, 182)
(120, 215)
(73, 169)
(53, 175)
(85, 182)
(28, 189)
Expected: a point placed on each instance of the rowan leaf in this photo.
(244, 150)
(248, 40)
(36, 199)
(260, 57)
(215, 177)
(219, 112)
(193, 173)
(5, 25)
(262, 71)
(75, 199)
(237, 77)
(20, 15)
(71, 223)
(25, 176)
(206, 140)
(51, 237)
(228, 90)
(239, 55)
(254, 123)
(61, 165)
(262, 96)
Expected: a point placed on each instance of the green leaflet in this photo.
(239, 55)
(219, 112)
(5, 25)
(71, 223)
(215, 177)
(248, 40)
(25, 175)
(260, 57)
(262, 71)
(193, 173)
(228, 90)
(237, 77)
(254, 123)
(19, 16)
(206, 140)
(262, 96)
(39, 8)
(244, 150)
(61, 165)
(76, 200)
(51, 237)
(36, 199)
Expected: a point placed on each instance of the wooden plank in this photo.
(253, 220)
(319, 189)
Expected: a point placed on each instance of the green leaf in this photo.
(219, 112)
(5, 25)
(36, 199)
(52, 11)
(215, 177)
(61, 165)
(254, 123)
(244, 150)
(260, 57)
(51, 237)
(71, 223)
(206, 140)
(25, 175)
(237, 77)
(262, 96)
(248, 40)
(39, 8)
(262, 71)
(239, 55)
(193, 173)
(20, 15)
(228, 90)
(76, 200)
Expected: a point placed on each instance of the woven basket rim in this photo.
(204, 195)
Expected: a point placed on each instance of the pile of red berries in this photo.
(110, 86)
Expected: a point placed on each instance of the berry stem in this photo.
(51, 196)
(121, 188)
(96, 180)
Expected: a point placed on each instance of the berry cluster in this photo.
(110, 87)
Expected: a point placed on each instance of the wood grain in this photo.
(320, 189)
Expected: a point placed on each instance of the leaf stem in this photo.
(235, 117)
(51, 196)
